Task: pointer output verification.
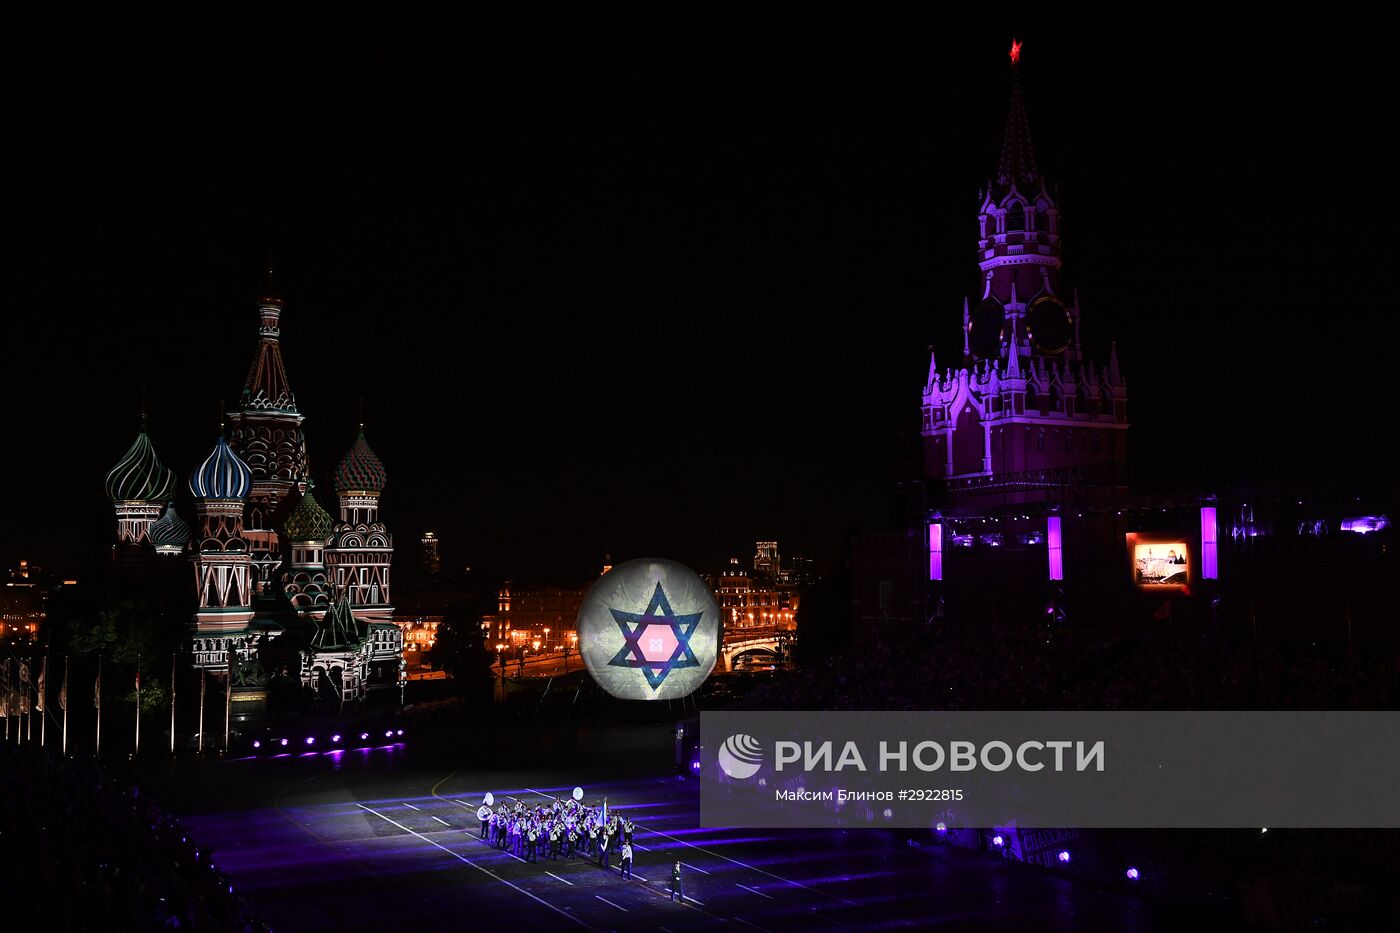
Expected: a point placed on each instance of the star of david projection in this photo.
(657, 641)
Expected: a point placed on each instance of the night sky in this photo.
(665, 287)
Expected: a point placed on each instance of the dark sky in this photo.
(665, 286)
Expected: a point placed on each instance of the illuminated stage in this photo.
(361, 840)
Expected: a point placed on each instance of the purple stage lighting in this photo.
(695, 766)
(1210, 560)
(388, 733)
(942, 827)
(284, 742)
(1055, 547)
(935, 551)
(257, 743)
(311, 740)
(398, 732)
(363, 736)
(336, 737)
(1132, 874)
(1064, 855)
(998, 841)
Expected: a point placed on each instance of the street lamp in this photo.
(546, 641)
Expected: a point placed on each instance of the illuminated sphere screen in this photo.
(649, 630)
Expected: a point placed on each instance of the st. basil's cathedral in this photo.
(277, 583)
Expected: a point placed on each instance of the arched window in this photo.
(1016, 216)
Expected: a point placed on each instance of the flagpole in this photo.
(228, 703)
(172, 702)
(44, 700)
(137, 750)
(201, 710)
(64, 695)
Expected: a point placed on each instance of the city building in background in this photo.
(542, 619)
(268, 559)
(766, 561)
(755, 599)
(432, 559)
(24, 602)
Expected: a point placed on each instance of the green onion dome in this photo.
(140, 476)
(308, 521)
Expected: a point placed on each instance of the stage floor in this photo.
(362, 840)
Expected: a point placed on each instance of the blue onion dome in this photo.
(308, 521)
(222, 475)
(169, 533)
(360, 472)
(140, 476)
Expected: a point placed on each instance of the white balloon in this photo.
(578, 793)
(649, 629)
(489, 800)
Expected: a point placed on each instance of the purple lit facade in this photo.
(1027, 408)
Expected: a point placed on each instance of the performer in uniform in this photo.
(627, 860)
(676, 884)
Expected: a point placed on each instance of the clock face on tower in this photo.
(984, 329)
(1049, 324)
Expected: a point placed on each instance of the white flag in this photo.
(43, 682)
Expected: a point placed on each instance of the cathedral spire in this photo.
(1013, 356)
(1017, 163)
(267, 387)
(1114, 376)
(932, 367)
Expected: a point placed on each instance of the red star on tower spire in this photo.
(1015, 53)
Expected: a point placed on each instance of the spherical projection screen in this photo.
(649, 630)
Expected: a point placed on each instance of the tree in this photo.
(460, 650)
(123, 632)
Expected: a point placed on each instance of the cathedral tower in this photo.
(1024, 412)
(265, 433)
(360, 547)
(139, 486)
(221, 560)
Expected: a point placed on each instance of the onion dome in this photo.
(222, 475)
(169, 533)
(308, 521)
(140, 476)
(360, 473)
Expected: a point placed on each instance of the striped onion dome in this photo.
(222, 475)
(308, 521)
(140, 476)
(169, 533)
(360, 471)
